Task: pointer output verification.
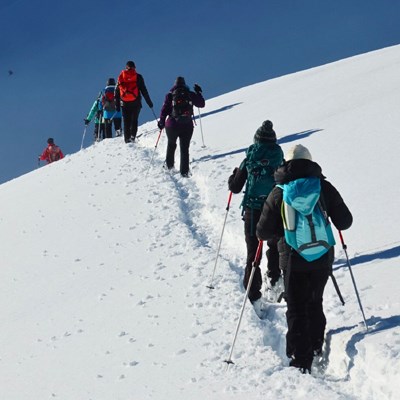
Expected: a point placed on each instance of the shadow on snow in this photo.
(286, 139)
(365, 258)
(222, 109)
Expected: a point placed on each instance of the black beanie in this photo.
(180, 81)
(111, 81)
(265, 133)
(50, 141)
(130, 64)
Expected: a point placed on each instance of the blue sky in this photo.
(62, 54)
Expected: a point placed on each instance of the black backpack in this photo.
(182, 107)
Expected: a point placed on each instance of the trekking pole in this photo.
(38, 162)
(83, 137)
(256, 262)
(352, 278)
(210, 286)
(100, 118)
(201, 128)
(337, 288)
(152, 110)
(154, 151)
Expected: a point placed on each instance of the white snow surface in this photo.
(105, 261)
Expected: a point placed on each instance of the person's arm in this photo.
(166, 110)
(197, 99)
(336, 208)
(143, 90)
(44, 155)
(92, 111)
(270, 225)
(238, 178)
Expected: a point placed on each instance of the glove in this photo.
(197, 88)
(160, 125)
(117, 106)
(86, 122)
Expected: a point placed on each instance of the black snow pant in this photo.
(251, 218)
(184, 133)
(108, 126)
(305, 316)
(130, 114)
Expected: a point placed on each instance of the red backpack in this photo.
(108, 99)
(127, 84)
(53, 152)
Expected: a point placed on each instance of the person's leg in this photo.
(273, 270)
(184, 142)
(298, 341)
(108, 127)
(126, 115)
(317, 320)
(251, 243)
(134, 119)
(117, 126)
(172, 137)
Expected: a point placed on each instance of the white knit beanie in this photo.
(298, 151)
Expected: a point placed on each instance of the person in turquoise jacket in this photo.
(96, 112)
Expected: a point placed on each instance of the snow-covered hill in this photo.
(104, 266)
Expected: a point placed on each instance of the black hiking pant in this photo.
(108, 126)
(184, 133)
(130, 114)
(305, 316)
(251, 218)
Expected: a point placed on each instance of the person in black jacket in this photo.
(263, 157)
(128, 95)
(304, 281)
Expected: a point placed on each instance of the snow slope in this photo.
(105, 262)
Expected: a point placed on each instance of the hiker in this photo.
(257, 172)
(176, 116)
(110, 113)
(304, 280)
(128, 95)
(52, 152)
(97, 112)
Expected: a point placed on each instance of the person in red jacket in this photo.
(52, 152)
(128, 95)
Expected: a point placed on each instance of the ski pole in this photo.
(210, 286)
(83, 137)
(352, 278)
(256, 262)
(154, 151)
(201, 128)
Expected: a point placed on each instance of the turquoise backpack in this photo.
(306, 225)
(261, 162)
